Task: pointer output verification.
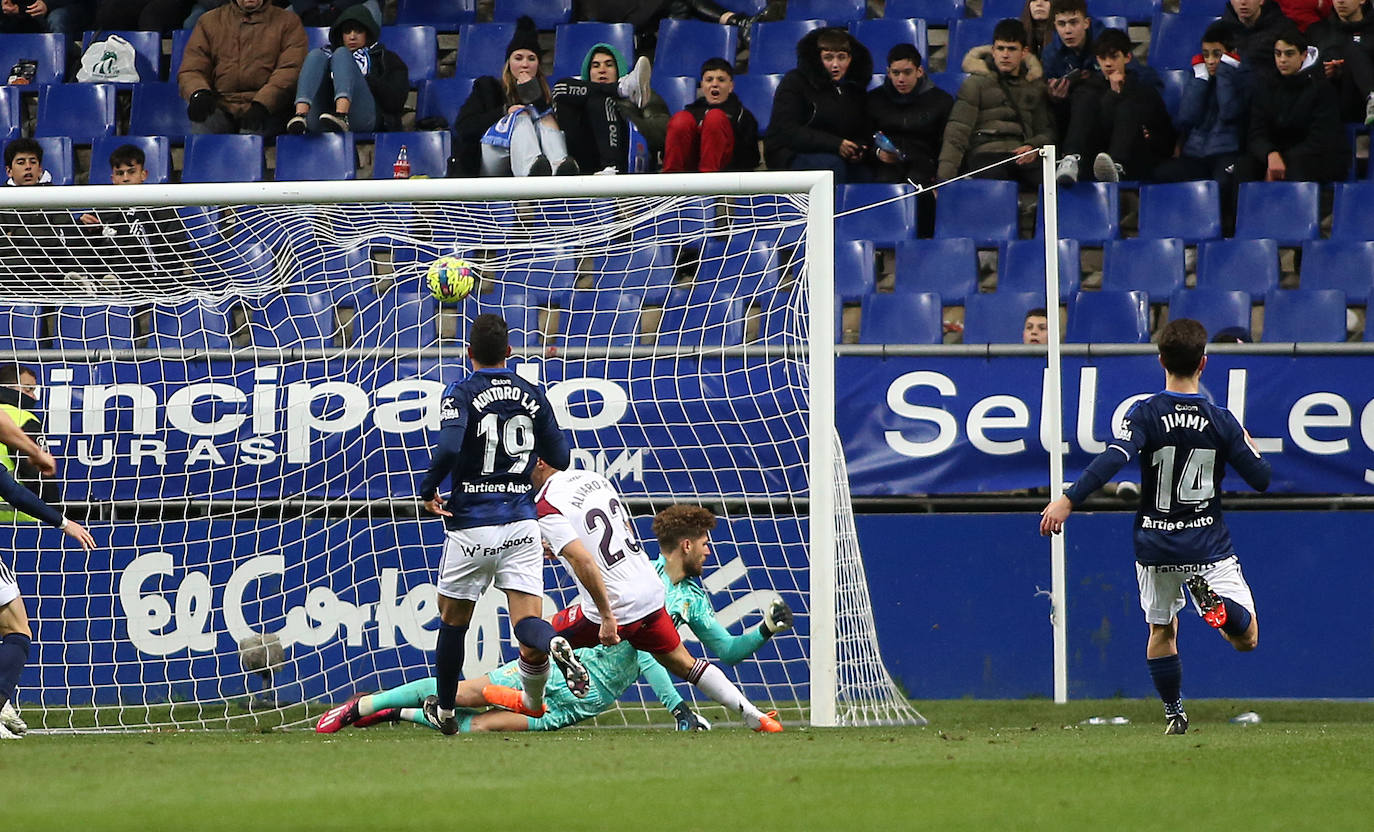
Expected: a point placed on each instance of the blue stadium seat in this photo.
(684, 44)
(1282, 211)
(998, 318)
(855, 269)
(223, 158)
(398, 319)
(1347, 265)
(911, 318)
(647, 272)
(1021, 267)
(159, 110)
(1316, 315)
(442, 97)
(1089, 212)
(418, 46)
(1176, 38)
(57, 159)
(696, 318)
(83, 112)
(147, 51)
(316, 36)
(546, 13)
(1175, 80)
(1134, 11)
(95, 328)
(321, 156)
(882, 34)
(1109, 318)
(601, 319)
(1351, 218)
(1216, 309)
(755, 92)
(572, 40)
(779, 320)
(984, 209)
(190, 325)
(678, 91)
(427, 151)
(549, 280)
(1190, 211)
(482, 46)
(739, 266)
(773, 47)
(157, 157)
(443, 15)
(950, 82)
(10, 123)
(179, 38)
(887, 223)
(1250, 266)
(934, 12)
(21, 327)
(998, 9)
(744, 6)
(833, 12)
(49, 50)
(295, 319)
(689, 223)
(948, 267)
(1154, 266)
(352, 283)
(521, 312)
(966, 34)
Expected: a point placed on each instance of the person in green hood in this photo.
(595, 110)
(353, 84)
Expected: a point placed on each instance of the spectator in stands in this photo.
(818, 120)
(1068, 58)
(1036, 329)
(141, 15)
(1254, 23)
(19, 403)
(597, 109)
(355, 83)
(1001, 111)
(507, 126)
(645, 16)
(69, 17)
(1039, 25)
(911, 112)
(41, 249)
(1117, 116)
(1346, 43)
(715, 132)
(329, 12)
(240, 67)
(1214, 115)
(24, 163)
(1305, 12)
(1295, 122)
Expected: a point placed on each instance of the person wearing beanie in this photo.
(507, 126)
(598, 108)
(354, 83)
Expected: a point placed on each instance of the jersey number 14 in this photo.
(1195, 483)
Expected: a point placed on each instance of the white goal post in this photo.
(238, 393)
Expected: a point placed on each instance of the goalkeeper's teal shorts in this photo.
(564, 708)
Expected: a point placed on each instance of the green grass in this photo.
(978, 765)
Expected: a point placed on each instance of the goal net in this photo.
(241, 385)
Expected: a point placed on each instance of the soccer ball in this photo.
(450, 279)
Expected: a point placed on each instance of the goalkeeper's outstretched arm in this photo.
(730, 649)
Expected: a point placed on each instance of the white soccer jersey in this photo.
(583, 505)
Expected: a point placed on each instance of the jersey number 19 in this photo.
(514, 440)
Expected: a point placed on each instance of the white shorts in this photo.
(9, 587)
(1162, 593)
(511, 555)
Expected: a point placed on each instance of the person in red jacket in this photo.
(715, 132)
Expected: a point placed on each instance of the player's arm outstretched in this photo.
(26, 501)
(731, 649)
(1122, 449)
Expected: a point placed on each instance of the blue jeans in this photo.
(347, 82)
(844, 171)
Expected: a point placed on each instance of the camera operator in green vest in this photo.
(19, 404)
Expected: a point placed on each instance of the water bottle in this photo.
(401, 170)
(882, 142)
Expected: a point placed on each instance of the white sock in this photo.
(532, 679)
(711, 681)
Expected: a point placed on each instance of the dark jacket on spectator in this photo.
(1354, 44)
(1058, 60)
(1215, 112)
(915, 122)
(388, 77)
(812, 113)
(322, 12)
(995, 113)
(746, 155)
(245, 57)
(1298, 116)
(1255, 44)
(484, 107)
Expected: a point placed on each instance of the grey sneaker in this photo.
(1105, 169)
(1066, 172)
(579, 681)
(334, 122)
(296, 126)
(9, 719)
(635, 85)
(1176, 723)
(430, 708)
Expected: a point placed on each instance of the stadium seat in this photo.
(179, 38)
(1109, 318)
(934, 12)
(427, 151)
(1089, 212)
(147, 51)
(833, 12)
(911, 318)
(984, 209)
(773, 47)
(1175, 80)
(882, 34)
(82, 112)
(223, 158)
(950, 82)
(755, 92)
(948, 267)
(95, 328)
(1176, 38)
(159, 110)
(321, 156)
(678, 91)
(744, 6)
(778, 324)
(572, 40)
(295, 319)
(964, 35)
(157, 157)
(1021, 267)
(57, 159)
(443, 15)
(1153, 266)
(998, 318)
(21, 327)
(1282, 211)
(889, 221)
(1351, 218)
(399, 320)
(549, 280)
(546, 13)
(49, 50)
(601, 319)
(647, 272)
(190, 325)
(688, 223)
(1347, 265)
(1250, 266)
(316, 37)
(998, 9)
(1216, 309)
(1316, 315)
(1134, 11)
(739, 266)
(684, 44)
(855, 269)
(696, 318)
(10, 123)
(418, 46)
(482, 47)
(1190, 211)
(442, 97)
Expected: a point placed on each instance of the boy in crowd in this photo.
(1214, 114)
(1295, 122)
(596, 109)
(911, 112)
(715, 132)
(1346, 43)
(1068, 58)
(818, 120)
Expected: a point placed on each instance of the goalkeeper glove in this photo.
(200, 105)
(776, 619)
(688, 720)
(255, 119)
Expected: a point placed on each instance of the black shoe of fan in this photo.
(541, 166)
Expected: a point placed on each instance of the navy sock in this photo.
(535, 633)
(14, 654)
(448, 662)
(1237, 618)
(1167, 674)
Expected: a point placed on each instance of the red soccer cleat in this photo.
(510, 699)
(768, 724)
(384, 715)
(339, 716)
(1213, 610)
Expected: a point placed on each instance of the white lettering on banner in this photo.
(615, 402)
(941, 418)
(1235, 402)
(1301, 418)
(980, 420)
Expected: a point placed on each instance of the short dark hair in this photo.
(489, 339)
(1058, 7)
(1010, 30)
(677, 523)
(1182, 344)
(1111, 41)
(128, 154)
(1037, 312)
(904, 52)
(716, 63)
(835, 39)
(1293, 36)
(18, 146)
(1220, 33)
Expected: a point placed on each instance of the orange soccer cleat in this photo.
(510, 699)
(768, 724)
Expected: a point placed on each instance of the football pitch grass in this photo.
(985, 765)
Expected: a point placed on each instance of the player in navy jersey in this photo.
(1184, 443)
(493, 425)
